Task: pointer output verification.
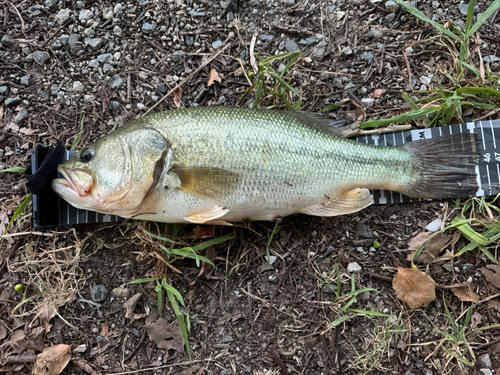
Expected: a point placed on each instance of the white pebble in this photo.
(434, 225)
(353, 267)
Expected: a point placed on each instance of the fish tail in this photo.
(444, 167)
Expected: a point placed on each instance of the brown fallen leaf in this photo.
(105, 330)
(177, 96)
(414, 287)
(433, 247)
(464, 292)
(492, 274)
(415, 242)
(164, 335)
(494, 304)
(52, 360)
(47, 311)
(214, 76)
(130, 305)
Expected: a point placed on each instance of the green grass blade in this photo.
(400, 118)
(214, 241)
(20, 209)
(486, 14)
(336, 322)
(14, 170)
(143, 280)
(470, 16)
(165, 239)
(424, 18)
(367, 312)
(180, 319)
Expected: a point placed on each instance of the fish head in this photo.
(115, 174)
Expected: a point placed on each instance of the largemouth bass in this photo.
(217, 165)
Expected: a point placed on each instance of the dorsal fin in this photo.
(320, 122)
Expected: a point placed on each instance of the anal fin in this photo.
(347, 203)
(209, 216)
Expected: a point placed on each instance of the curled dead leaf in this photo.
(432, 248)
(414, 287)
(214, 76)
(52, 360)
(177, 96)
(464, 292)
(164, 335)
(492, 274)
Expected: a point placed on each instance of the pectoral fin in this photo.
(347, 203)
(206, 182)
(209, 216)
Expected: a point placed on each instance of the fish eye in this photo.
(86, 155)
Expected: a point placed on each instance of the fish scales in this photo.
(221, 164)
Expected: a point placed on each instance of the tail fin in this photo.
(444, 167)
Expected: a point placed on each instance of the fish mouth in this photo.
(72, 181)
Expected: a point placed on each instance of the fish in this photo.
(220, 165)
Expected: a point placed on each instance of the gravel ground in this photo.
(73, 70)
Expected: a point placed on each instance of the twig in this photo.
(191, 75)
(408, 68)
(27, 358)
(164, 366)
(19, 15)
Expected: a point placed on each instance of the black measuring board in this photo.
(487, 171)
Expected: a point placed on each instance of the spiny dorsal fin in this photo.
(206, 182)
(347, 203)
(320, 122)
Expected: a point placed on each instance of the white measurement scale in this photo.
(487, 171)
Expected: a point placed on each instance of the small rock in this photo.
(117, 56)
(114, 104)
(64, 39)
(147, 28)
(85, 15)
(267, 38)
(26, 80)
(363, 232)
(54, 89)
(106, 68)
(107, 13)
(7, 41)
(225, 372)
(189, 40)
(289, 2)
(117, 30)
(375, 33)
(41, 57)
(89, 32)
(80, 348)
(368, 102)
(390, 17)
(196, 13)
(329, 288)
(486, 371)
(216, 44)
(392, 6)
(162, 88)
(80, 4)
(464, 8)
(104, 58)
(230, 16)
(99, 293)
(50, 3)
(20, 115)
(177, 56)
(74, 42)
(94, 64)
(227, 339)
(368, 56)
(118, 9)
(78, 86)
(4, 90)
(63, 15)
(89, 97)
(490, 59)
(95, 43)
(308, 41)
(353, 267)
(272, 259)
(319, 52)
(56, 44)
(116, 82)
(291, 46)
(434, 225)
(485, 361)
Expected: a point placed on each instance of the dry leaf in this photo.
(494, 304)
(433, 247)
(492, 274)
(105, 330)
(214, 76)
(378, 93)
(475, 319)
(164, 335)
(52, 360)
(414, 287)
(415, 242)
(177, 96)
(464, 292)
(46, 312)
(130, 305)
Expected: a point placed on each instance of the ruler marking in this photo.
(482, 136)
(493, 135)
(489, 180)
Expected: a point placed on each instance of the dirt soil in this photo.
(73, 70)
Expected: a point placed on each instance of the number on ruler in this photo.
(487, 157)
(497, 156)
